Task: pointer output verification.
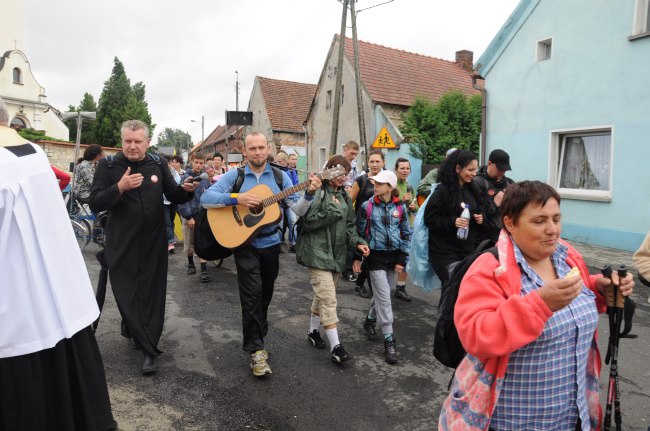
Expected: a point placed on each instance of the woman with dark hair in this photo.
(328, 232)
(85, 171)
(527, 319)
(443, 211)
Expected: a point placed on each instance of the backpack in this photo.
(447, 347)
(205, 244)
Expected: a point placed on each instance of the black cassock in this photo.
(136, 242)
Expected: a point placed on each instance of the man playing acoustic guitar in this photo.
(258, 261)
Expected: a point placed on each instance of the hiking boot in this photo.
(339, 354)
(315, 339)
(371, 329)
(191, 269)
(362, 290)
(258, 363)
(400, 293)
(390, 351)
(204, 276)
(350, 276)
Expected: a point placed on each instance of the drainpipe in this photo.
(306, 146)
(475, 77)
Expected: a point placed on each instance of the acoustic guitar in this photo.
(236, 225)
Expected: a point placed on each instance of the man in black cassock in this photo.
(131, 185)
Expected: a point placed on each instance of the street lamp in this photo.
(79, 116)
(202, 127)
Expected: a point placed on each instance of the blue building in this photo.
(568, 98)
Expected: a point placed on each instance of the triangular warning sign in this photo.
(384, 140)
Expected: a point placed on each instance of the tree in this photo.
(120, 102)
(453, 122)
(174, 138)
(87, 126)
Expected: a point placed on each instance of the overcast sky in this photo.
(186, 53)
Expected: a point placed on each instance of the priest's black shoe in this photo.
(150, 364)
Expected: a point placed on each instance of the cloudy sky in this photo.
(186, 53)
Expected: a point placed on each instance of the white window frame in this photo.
(556, 160)
(641, 20)
(542, 49)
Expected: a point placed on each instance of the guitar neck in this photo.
(285, 193)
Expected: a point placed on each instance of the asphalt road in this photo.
(205, 383)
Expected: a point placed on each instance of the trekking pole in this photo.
(615, 304)
(620, 305)
(607, 273)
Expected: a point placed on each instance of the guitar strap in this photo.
(277, 173)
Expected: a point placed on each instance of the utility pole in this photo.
(237, 92)
(339, 75)
(357, 78)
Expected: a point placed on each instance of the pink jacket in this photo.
(493, 320)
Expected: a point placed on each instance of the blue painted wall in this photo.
(596, 77)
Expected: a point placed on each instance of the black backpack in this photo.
(447, 347)
(205, 244)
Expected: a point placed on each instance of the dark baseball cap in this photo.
(501, 159)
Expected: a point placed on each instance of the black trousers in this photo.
(257, 269)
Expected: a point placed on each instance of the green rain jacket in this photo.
(327, 231)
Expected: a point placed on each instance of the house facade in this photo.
(391, 79)
(568, 99)
(279, 110)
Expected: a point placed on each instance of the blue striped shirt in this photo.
(544, 385)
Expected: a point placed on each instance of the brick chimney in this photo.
(465, 59)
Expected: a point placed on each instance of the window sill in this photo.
(639, 36)
(583, 195)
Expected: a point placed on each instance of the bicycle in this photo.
(81, 220)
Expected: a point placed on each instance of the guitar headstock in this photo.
(332, 172)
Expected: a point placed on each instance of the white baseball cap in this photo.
(386, 177)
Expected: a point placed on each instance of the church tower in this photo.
(24, 96)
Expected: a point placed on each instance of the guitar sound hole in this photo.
(256, 209)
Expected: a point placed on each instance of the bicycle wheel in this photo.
(80, 233)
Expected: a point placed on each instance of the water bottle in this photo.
(462, 232)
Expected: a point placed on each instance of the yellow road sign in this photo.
(384, 140)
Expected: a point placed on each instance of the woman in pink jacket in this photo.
(529, 327)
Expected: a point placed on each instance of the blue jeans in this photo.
(291, 219)
(169, 223)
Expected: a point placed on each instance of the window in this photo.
(18, 76)
(328, 100)
(18, 123)
(544, 49)
(583, 164)
(641, 25)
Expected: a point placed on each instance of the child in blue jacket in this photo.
(383, 223)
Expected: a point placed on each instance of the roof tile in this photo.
(397, 77)
(287, 102)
